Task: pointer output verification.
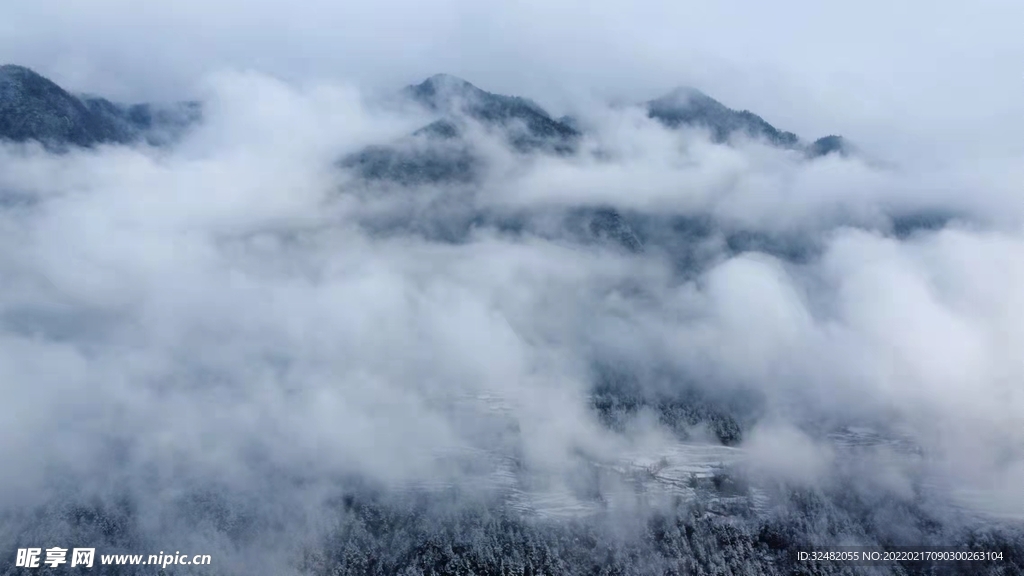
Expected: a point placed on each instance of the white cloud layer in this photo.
(216, 314)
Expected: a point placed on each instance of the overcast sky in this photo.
(936, 75)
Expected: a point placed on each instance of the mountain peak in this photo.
(683, 95)
(447, 81)
(15, 81)
(831, 144)
(33, 107)
(441, 91)
(449, 93)
(14, 71)
(691, 107)
(453, 97)
(683, 100)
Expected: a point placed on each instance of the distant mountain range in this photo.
(437, 152)
(441, 152)
(34, 108)
(691, 107)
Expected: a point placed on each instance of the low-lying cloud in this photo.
(231, 317)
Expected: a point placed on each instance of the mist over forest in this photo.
(503, 323)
